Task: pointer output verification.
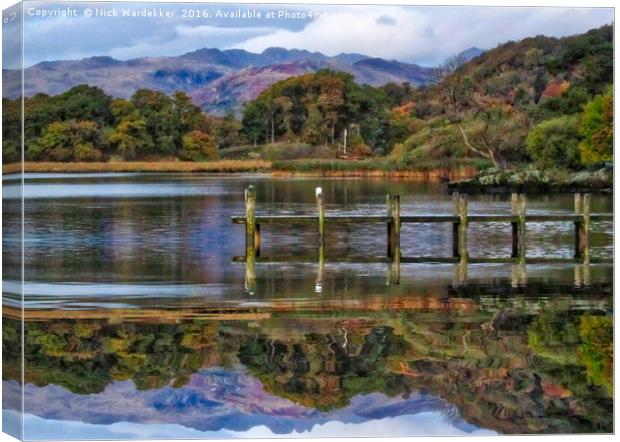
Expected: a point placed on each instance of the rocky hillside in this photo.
(216, 79)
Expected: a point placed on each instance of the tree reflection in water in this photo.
(544, 367)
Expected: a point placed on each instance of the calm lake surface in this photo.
(140, 325)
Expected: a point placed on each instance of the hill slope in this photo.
(216, 79)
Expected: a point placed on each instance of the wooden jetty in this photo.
(393, 220)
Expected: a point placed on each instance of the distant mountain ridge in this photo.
(471, 53)
(216, 79)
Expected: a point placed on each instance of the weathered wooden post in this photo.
(251, 239)
(455, 225)
(390, 223)
(393, 225)
(318, 285)
(582, 226)
(320, 204)
(584, 246)
(514, 209)
(578, 275)
(396, 217)
(463, 224)
(585, 240)
(578, 211)
(395, 266)
(518, 208)
(463, 255)
(521, 228)
(582, 239)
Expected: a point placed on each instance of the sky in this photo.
(421, 424)
(418, 34)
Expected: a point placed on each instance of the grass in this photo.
(427, 169)
(222, 166)
(377, 167)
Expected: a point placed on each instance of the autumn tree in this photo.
(554, 143)
(129, 135)
(255, 124)
(198, 146)
(330, 101)
(66, 141)
(228, 131)
(597, 129)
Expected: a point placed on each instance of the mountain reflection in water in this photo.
(539, 367)
(138, 324)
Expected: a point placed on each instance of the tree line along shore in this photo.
(538, 110)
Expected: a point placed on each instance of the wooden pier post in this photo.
(396, 226)
(318, 285)
(514, 209)
(395, 266)
(463, 223)
(463, 255)
(582, 227)
(518, 208)
(320, 203)
(252, 234)
(584, 234)
(393, 225)
(521, 246)
(455, 225)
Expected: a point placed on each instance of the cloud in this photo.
(186, 39)
(428, 35)
(422, 34)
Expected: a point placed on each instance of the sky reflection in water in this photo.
(159, 338)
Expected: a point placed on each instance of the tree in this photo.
(311, 132)
(198, 146)
(555, 142)
(330, 101)
(11, 130)
(156, 110)
(228, 131)
(186, 117)
(533, 58)
(254, 123)
(488, 126)
(81, 102)
(66, 141)
(540, 83)
(596, 128)
(285, 107)
(129, 137)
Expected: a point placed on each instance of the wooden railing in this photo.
(460, 220)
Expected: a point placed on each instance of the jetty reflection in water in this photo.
(139, 325)
(462, 359)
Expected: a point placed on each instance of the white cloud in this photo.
(188, 37)
(425, 35)
(428, 35)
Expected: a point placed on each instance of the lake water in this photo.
(140, 325)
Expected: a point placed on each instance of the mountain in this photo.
(470, 53)
(219, 400)
(377, 71)
(216, 79)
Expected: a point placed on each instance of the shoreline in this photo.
(458, 179)
(234, 166)
(532, 189)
